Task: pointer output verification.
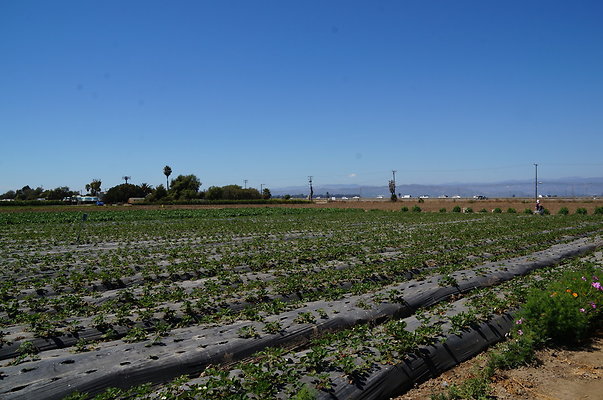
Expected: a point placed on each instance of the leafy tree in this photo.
(94, 187)
(10, 195)
(27, 193)
(236, 192)
(214, 193)
(233, 192)
(159, 193)
(167, 171)
(266, 194)
(146, 188)
(121, 193)
(392, 190)
(58, 193)
(185, 187)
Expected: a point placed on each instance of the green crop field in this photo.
(254, 302)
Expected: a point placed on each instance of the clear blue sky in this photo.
(274, 91)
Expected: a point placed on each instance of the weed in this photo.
(247, 332)
(272, 327)
(305, 318)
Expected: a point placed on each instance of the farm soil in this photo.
(428, 205)
(559, 374)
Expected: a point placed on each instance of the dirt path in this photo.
(560, 374)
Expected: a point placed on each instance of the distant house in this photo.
(82, 199)
(135, 200)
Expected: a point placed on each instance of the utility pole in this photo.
(536, 184)
(261, 188)
(394, 175)
(245, 180)
(311, 189)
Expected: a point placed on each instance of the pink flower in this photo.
(597, 285)
(519, 332)
(582, 310)
(584, 279)
(593, 305)
(519, 321)
(595, 278)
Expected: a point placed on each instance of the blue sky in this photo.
(274, 91)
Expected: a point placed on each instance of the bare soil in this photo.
(559, 374)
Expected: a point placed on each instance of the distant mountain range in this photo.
(564, 187)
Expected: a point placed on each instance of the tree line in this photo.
(181, 188)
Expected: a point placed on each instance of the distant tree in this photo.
(121, 193)
(392, 190)
(236, 192)
(214, 193)
(184, 187)
(146, 188)
(167, 171)
(233, 192)
(58, 193)
(94, 187)
(126, 178)
(158, 194)
(266, 194)
(27, 193)
(10, 195)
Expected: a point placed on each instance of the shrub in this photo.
(546, 212)
(514, 353)
(416, 209)
(468, 210)
(581, 211)
(528, 211)
(421, 200)
(598, 211)
(564, 311)
(563, 211)
(443, 209)
(483, 210)
(511, 210)
(305, 393)
(404, 209)
(497, 210)
(456, 209)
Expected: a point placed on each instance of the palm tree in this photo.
(167, 171)
(146, 188)
(125, 178)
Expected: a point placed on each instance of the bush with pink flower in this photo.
(565, 311)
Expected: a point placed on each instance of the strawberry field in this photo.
(264, 303)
